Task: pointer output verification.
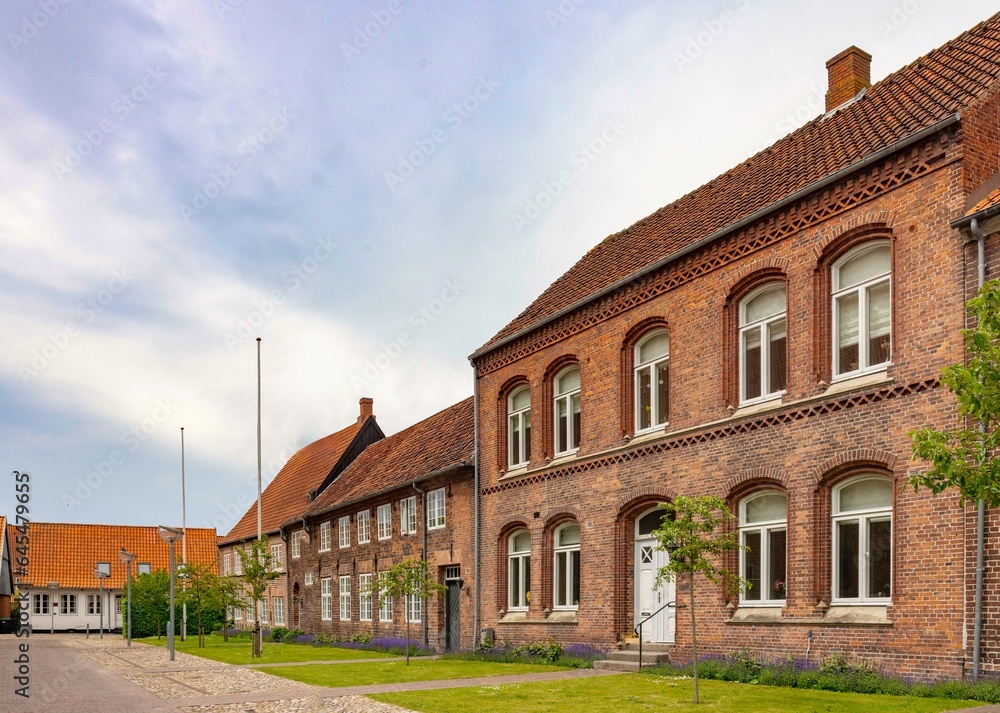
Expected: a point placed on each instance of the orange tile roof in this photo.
(68, 553)
(927, 91)
(287, 495)
(442, 441)
(988, 202)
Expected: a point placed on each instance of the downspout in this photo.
(286, 614)
(981, 519)
(475, 510)
(425, 615)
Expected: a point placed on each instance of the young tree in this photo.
(257, 572)
(965, 457)
(227, 597)
(201, 592)
(409, 578)
(150, 603)
(696, 538)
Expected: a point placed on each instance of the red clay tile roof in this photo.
(287, 496)
(442, 441)
(916, 97)
(988, 202)
(68, 553)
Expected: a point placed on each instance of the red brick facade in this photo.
(820, 432)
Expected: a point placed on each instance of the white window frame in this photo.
(365, 597)
(384, 603)
(144, 568)
(249, 608)
(326, 599)
(325, 536)
(763, 328)
(296, 544)
(237, 564)
(278, 557)
(263, 610)
(569, 396)
(227, 564)
(238, 614)
(652, 366)
(384, 521)
(414, 608)
(344, 532)
(364, 519)
(863, 517)
(518, 453)
(572, 571)
(408, 515)
(40, 604)
(862, 288)
(309, 579)
(436, 509)
(279, 611)
(67, 604)
(520, 559)
(764, 528)
(93, 605)
(345, 597)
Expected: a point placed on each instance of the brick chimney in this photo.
(850, 72)
(366, 409)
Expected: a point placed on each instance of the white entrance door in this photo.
(648, 598)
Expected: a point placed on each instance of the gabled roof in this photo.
(69, 553)
(986, 203)
(443, 441)
(915, 98)
(287, 495)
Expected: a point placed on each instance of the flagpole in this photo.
(259, 519)
(184, 542)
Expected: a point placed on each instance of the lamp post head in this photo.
(53, 586)
(126, 557)
(170, 535)
(100, 574)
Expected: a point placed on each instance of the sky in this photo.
(373, 189)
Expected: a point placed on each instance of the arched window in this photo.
(566, 388)
(519, 427)
(652, 367)
(518, 570)
(763, 361)
(862, 539)
(763, 528)
(862, 309)
(566, 577)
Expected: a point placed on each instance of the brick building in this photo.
(7, 552)
(408, 496)
(770, 338)
(307, 472)
(64, 593)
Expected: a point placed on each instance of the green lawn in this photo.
(365, 674)
(635, 692)
(237, 651)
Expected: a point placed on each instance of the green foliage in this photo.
(258, 570)
(407, 578)
(362, 637)
(965, 457)
(281, 635)
(150, 604)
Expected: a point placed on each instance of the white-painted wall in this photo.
(80, 620)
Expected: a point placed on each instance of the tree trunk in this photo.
(694, 641)
(406, 615)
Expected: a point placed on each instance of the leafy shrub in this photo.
(547, 652)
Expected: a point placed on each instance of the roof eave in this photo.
(816, 185)
(979, 215)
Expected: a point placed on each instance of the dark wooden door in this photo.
(453, 612)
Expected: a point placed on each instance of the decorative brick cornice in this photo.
(855, 455)
(828, 202)
(777, 418)
(773, 473)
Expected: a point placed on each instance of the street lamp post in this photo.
(53, 586)
(101, 576)
(127, 559)
(170, 535)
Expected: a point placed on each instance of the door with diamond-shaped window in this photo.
(648, 597)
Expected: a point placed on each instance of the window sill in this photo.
(563, 457)
(857, 614)
(841, 384)
(648, 435)
(837, 615)
(758, 406)
(515, 617)
(436, 527)
(756, 614)
(562, 616)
